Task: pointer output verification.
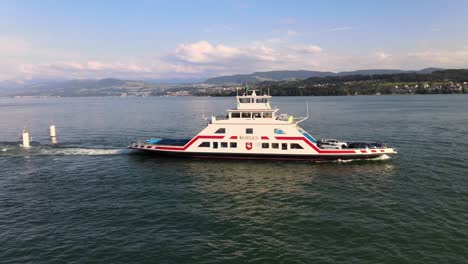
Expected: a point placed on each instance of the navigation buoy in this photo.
(53, 134)
(26, 139)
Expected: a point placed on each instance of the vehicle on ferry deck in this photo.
(331, 144)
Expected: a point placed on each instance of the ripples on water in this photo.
(90, 200)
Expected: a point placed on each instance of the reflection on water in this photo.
(284, 171)
(263, 187)
(265, 205)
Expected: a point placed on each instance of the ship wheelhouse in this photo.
(252, 107)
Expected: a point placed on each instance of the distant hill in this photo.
(257, 77)
(418, 82)
(386, 71)
(87, 87)
(280, 81)
(267, 76)
(175, 80)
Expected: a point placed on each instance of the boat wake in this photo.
(83, 152)
(14, 149)
(383, 157)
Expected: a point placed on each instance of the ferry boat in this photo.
(254, 130)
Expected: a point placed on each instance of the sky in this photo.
(158, 39)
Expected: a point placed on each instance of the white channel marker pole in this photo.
(26, 139)
(53, 134)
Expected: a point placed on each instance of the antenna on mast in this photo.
(307, 117)
(203, 111)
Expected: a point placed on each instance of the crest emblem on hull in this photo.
(248, 145)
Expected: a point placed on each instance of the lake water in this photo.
(89, 200)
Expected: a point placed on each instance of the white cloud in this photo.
(288, 21)
(261, 52)
(291, 33)
(257, 56)
(89, 69)
(444, 58)
(10, 47)
(203, 58)
(311, 49)
(203, 52)
(382, 55)
(340, 28)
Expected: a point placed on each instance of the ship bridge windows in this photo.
(220, 131)
(244, 100)
(251, 115)
(262, 100)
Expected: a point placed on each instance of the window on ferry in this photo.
(233, 144)
(246, 115)
(295, 146)
(244, 100)
(204, 145)
(262, 100)
(265, 145)
(257, 115)
(284, 146)
(235, 115)
(267, 115)
(249, 130)
(220, 131)
(223, 144)
(215, 145)
(274, 145)
(278, 131)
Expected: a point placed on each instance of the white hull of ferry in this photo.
(255, 131)
(357, 154)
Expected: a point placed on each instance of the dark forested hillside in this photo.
(446, 81)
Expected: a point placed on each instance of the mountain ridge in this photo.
(257, 77)
(119, 87)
